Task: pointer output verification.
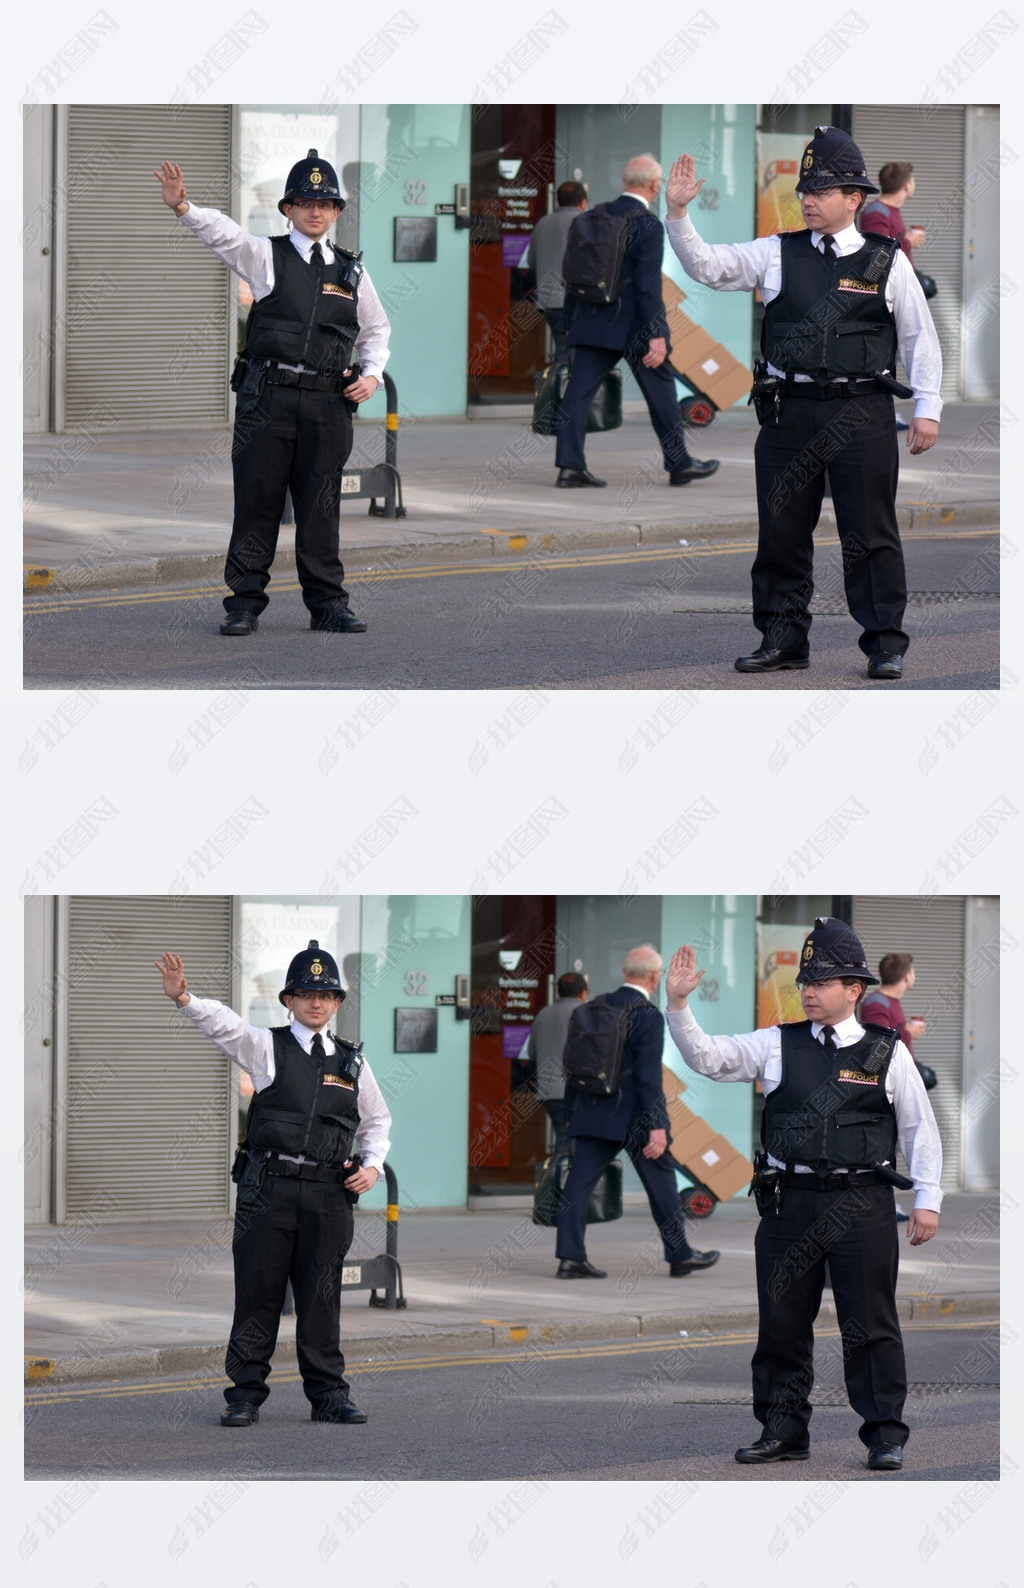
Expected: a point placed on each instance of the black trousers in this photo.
(298, 1230)
(555, 1110)
(854, 1232)
(854, 439)
(556, 325)
(591, 1155)
(287, 439)
(589, 366)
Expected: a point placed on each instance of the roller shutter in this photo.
(148, 307)
(931, 137)
(149, 1103)
(933, 931)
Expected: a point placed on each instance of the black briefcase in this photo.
(605, 1203)
(604, 413)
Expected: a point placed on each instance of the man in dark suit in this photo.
(634, 327)
(634, 1117)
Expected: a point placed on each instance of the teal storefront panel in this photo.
(722, 140)
(412, 948)
(411, 157)
(722, 928)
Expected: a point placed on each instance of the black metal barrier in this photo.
(372, 1273)
(381, 479)
(383, 1272)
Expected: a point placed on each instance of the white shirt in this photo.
(740, 267)
(252, 1049)
(757, 1056)
(252, 258)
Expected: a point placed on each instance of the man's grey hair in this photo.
(641, 961)
(641, 170)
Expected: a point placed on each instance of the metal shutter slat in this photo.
(933, 931)
(149, 311)
(149, 1106)
(931, 137)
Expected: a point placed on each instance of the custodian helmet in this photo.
(313, 971)
(832, 159)
(832, 950)
(313, 178)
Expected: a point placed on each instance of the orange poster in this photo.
(778, 957)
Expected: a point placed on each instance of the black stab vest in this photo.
(307, 1109)
(309, 317)
(829, 1113)
(831, 316)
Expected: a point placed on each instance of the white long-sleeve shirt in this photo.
(740, 267)
(252, 1049)
(252, 258)
(757, 1056)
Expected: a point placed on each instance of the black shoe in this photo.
(240, 623)
(695, 1261)
(901, 1217)
(572, 1270)
(570, 477)
(901, 424)
(766, 660)
(240, 1414)
(885, 667)
(695, 470)
(885, 1458)
(773, 1450)
(336, 1412)
(336, 620)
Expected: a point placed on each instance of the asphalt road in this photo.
(671, 1410)
(627, 618)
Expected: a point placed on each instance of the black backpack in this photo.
(592, 262)
(592, 1057)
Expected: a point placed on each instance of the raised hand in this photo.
(682, 186)
(173, 973)
(683, 976)
(172, 184)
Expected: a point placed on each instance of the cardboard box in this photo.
(729, 386)
(703, 363)
(704, 1154)
(690, 343)
(722, 1169)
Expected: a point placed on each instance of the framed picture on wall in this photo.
(415, 1030)
(415, 238)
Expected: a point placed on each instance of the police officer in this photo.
(316, 1136)
(838, 1095)
(316, 343)
(837, 306)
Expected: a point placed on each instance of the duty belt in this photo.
(288, 1169)
(836, 388)
(306, 379)
(830, 1182)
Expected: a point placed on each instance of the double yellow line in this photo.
(418, 1364)
(552, 561)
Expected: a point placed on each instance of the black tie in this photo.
(828, 1038)
(316, 256)
(828, 248)
(317, 1047)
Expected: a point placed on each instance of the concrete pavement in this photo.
(128, 508)
(119, 1301)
